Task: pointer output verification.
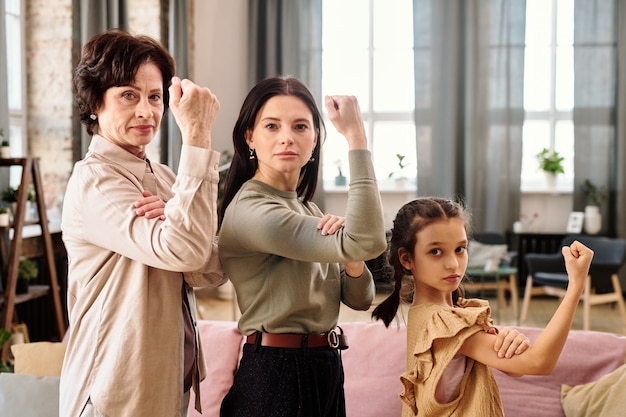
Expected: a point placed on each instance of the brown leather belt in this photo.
(333, 339)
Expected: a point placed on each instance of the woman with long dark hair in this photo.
(290, 264)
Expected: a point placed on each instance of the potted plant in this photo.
(5, 150)
(399, 173)
(5, 335)
(10, 194)
(27, 271)
(4, 217)
(595, 197)
(340, 179)
(550, 162)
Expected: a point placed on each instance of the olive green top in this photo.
(287, 275)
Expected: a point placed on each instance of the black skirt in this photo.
(287, 382)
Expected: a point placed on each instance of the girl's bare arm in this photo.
(542, 356)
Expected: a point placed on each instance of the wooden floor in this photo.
(217, 305)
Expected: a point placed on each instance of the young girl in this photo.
(449, 352)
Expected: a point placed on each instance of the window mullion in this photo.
(553, 57)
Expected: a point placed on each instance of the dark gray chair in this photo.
(547, 275)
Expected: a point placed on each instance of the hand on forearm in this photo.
(329, 224)
(150, 206)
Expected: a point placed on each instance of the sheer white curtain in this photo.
(469, 63)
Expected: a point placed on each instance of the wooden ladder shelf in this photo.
(30, 174)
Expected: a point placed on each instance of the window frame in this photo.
(372, 119)
(553, 116)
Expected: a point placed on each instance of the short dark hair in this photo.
(242, 168)
(111, 59)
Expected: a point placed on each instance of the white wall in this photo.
(219, 61)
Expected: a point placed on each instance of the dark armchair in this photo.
(547, 275)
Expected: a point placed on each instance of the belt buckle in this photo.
(333, 339)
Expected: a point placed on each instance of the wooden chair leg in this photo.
(514, 296)
(620, 297)
(587, 304)
(527, 294)
(501, 297)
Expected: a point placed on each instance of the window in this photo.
(368, 52)
(548, 90)
(16, 83)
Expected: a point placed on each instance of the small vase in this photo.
(340, 180)
(593, 220)
(5, 151)
(401, 182)
(4, 219)
(550, 181)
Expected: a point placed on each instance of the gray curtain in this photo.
(4, 93)
(469, 61)
(97, 16)
(599, 155)
(178, 41)
(619, 195)
(286, 39)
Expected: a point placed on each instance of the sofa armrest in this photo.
(221, 345)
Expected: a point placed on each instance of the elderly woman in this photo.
(133, 260)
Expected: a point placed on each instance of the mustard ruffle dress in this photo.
(434, 336)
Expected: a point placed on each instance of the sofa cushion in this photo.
(372, 366)
(39, 358)
(586, 357)
(597, 398)
(28, 395)
(480, 253)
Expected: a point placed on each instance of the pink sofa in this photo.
(376, 358)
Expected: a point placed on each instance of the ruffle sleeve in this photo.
(446, 327)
